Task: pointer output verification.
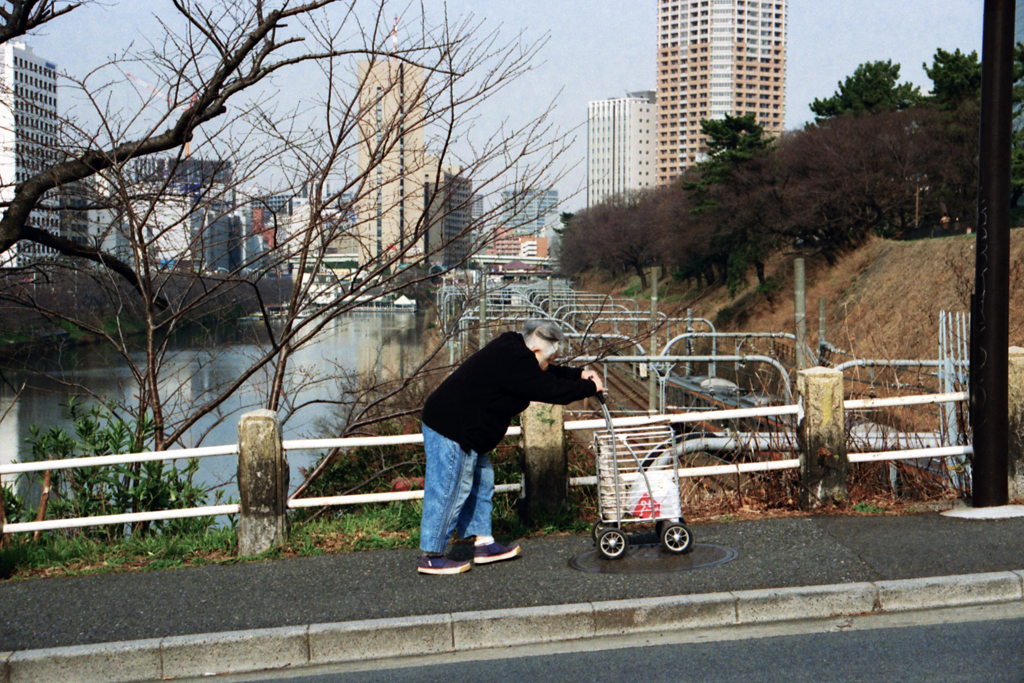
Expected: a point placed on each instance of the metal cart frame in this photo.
(638, 481)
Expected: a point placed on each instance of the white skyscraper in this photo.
(620, 146)
(28, 135)
(716, 57)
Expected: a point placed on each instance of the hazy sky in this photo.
(604, 48)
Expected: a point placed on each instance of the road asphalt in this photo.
(296, 612)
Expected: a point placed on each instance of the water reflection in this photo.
(386, 344)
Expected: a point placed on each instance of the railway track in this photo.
(625, 392)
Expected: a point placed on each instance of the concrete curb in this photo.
(316, 644)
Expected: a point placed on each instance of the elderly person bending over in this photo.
(466, 417)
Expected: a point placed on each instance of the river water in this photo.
(387, 344)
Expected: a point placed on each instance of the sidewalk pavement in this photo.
(297, 612)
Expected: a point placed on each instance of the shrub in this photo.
(112, 489)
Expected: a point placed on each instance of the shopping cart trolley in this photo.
(637, 481)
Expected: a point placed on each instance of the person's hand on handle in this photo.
(595, 378)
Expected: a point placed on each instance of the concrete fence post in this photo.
(545, 468)
(482, 309)
(652, 374)
(262, 483)
(1015, 436)
(800, 311)
(822, 438)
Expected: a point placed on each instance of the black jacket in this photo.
(475, 404)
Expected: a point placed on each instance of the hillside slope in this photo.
(881, 301)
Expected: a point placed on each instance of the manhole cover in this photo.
(651, 558)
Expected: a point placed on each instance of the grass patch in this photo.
(59, 555)
(368, 527)
(74, 331)
(17, 336)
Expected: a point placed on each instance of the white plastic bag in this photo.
(662, 501)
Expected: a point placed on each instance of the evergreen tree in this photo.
(736, 244)
(730, 141)
(873, 87)
(956, 77)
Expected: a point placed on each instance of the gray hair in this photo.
(547, 330)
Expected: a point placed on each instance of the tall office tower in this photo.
(28, 137)
(448, 201)
(716, 57)
(620, 146)
(392, 155)
(527, 212)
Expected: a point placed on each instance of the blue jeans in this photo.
(457, 493)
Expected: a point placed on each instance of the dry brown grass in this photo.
(882, 300)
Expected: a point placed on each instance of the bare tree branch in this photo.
(18, 17)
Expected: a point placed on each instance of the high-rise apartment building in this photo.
(716, 57)
(392, 157)
(620, 145)
(28, 137)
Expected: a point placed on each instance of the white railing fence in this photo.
(751, 442)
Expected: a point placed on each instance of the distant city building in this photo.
(620, 146)
(716, 57)
(197, 222)
(29, 132)
(185, 209)
(281, 203)
(217, 236)
(74, 201)
(271, 218)
(507, 243)
(448, 202)
(391, 155)
(526, 212)
(193, 176)
(477, 208)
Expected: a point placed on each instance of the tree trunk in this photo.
(643, 276)
(759, 267)
(709, 274)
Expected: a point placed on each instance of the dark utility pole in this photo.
(989, 322)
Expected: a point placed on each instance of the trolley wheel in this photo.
(676, 539)
(612, 543)
(659, 526)
(596, 530)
